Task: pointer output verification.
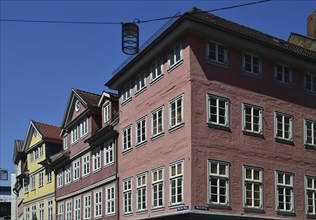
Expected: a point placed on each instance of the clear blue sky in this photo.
(41, 62)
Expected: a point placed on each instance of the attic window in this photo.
(35, 133)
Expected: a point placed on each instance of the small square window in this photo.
(310, 82)
(216, 53)
(283, 74)
(252, 64)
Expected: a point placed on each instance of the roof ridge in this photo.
(86, 92)
(37, 122)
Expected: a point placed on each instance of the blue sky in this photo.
(41, 62)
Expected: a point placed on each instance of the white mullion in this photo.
(252, 119)
(217, 110)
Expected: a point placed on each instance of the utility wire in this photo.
(135, 20)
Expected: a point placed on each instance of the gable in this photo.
(33, 137)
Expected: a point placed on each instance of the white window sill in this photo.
(140, 91)
(310, 146)
(218, 126)
(175, 65)
(157, 209)
(284, 141)
(153, 81)
(176, 127)
(252, 74)
(109, 164)
(127, 151)
(126, 101)
(156, 136)
(138, 145)
(141, 211)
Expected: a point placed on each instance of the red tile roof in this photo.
(90, 98)
(48, 131)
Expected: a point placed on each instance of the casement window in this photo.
(49, 176)
(74, 135)
(26, 185)
(157, 188)
(252, 119)
(283, 126)
(31, 157)
(67, 172)
(76, 169)
(41, 179)
(33, 183)
(252, 64)
(282, 74)
(50, 210)
(218, 183)
(310, 82)
(60, 212)
(65, 142)
(217, 110)
(106, 111)
(36, 154)
(176, 183)
(216, 53)
(98, 204)
(34, 212)
(126, 93)
(41, 151)
(77, 208)
(87, 206)
(175, 55)
(157, 125)
(68, 210)
(127, 138)
(156, 70)
(140, 82)
(284, 192)
(60, 178)
(253, 187)
(27, 213)
(141, 129)
(141, 192)
(86, 164)
(108, 153)
(310, 187)
(41, 210)
(96, 159)
(84, 127)
(176, 117)
(127, 196)
(110, 200)
(310, 132)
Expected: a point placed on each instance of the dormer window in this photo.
(74, 135)
(84, 127)
(106, 112)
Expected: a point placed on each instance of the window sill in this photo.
(76, 180)
(310, 92)
(176, 127)
(174, 66)
(252, 75)
(140, 91)
(288, 85)
(152, 82)
(157, 136)
(249, 133)
(84, 136)
(126, 101)
(85, 176)
(284, 141)
(67, 184)
(97, 170)
(138, 145)
(253, 209)
(289, 213)
(221, 127)
(174, 206)
(219, 206)
(110, 214)
(74, 143)
(312, 216)
(213, 62)
(141, 212)
(127, 151)
(309, 146)
(109, 164)
(158, 209)
(127, 214)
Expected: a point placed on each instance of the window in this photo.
(68, 210)
(141, 128)
(41, 179)
(60, 211)
(282, 74)
(252, 64)
(98, 204)
(218, 111)
(218, 184)
(283, 126)
(27, 213)
(31, 157)
(108, 153)
(310, 82)
(49, 176)
(87, 206)
(41, 151)
(76, 169)
(310, 195)
(34, 212)
(157, 188)
(175, 55)
(74, 135)
(50, 210)
(141, 192)
(41, 210)
(176, 112)
(26, 185)
(126, 93)
(77, 209)
(127, 196)
(33, 185)
(67, 174)
(140, 82)
(86, 164)
(106, 111)
(253, 187)
(96, 159)
(36, 152)
(65, 142)
(216, 53)
(252, 119)
(176, 183)
(310, 132)
(127, 138)
(60, 178)
(156, 70)
(84, 128)
(285, 192)
(157, 122)
(110, 200)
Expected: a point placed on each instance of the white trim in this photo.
(174, 100)
(227, 110)
(141, 187)
(97, 193)
(129, 127)
(86, 172)
(96, 159)
(157, 182)
(260, 123)
(88, 207)
(76, 169)
(284, 116)
(174, 177)
(111, 200)
(155, 112)
(140, 121)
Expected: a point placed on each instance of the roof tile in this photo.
(48, 131)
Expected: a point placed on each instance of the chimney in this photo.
(311, 25)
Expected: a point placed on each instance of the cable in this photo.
(135, 20)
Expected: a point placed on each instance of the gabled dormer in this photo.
(109, 107)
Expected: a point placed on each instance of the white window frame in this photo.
(253, 183)
(60, 178)
(34, 215)
(156, 70)
(41, 151)
(214, 181)
(31, 156)
(96, 159)
(86, 164)
(283, 80)
(65, 142)
(74, 135)
(127, 134)
(77, 208)
(41, 179)
(60, 208)
(97, 203)
(141, 192)
(76, 169)
(283, 123)
(252, 116)
(310, 192)
(67, 173)
(50, 210)
(106, 112)
(127, 196)
(84, 127)
(157, 188)
(216, 59)
(68, 210)
(41, 210)
(141, 132)
(27, 213)
(175, 55)
(174, 179)
(26, 184)
(217, 108)
(312, 83)
(126, 93)
(251, 63)
(108, 151)
(49, 176)
(157, 122)
(110, 200)
(87, 206)
(284, 187)
(310, 132)
(33, 181)
(174, 102)
(140, 83)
